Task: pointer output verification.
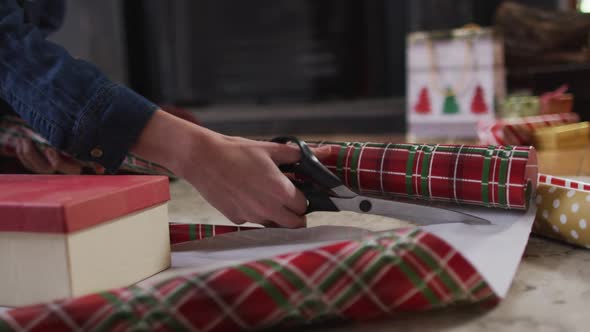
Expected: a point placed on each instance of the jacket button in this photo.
(96, 153)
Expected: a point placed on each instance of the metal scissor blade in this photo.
(418, 214)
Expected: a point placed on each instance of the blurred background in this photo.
(266, 67)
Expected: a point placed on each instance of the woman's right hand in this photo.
(239, 177)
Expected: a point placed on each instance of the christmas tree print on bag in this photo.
(478, 104)
(450, 106)
(423, 104)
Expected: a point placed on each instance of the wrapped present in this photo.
(519, 106)
(493, 176)
(557, 101)
(519, 131)
(566, 136)
(454, 79)
(75, 232)
(563, 210)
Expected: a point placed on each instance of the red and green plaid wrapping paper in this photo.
(191, 232)
(399, 271)
(493, 176)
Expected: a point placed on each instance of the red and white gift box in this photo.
(519, 131)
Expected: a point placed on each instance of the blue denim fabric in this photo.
(66, 100)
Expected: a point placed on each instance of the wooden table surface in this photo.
(550, 292)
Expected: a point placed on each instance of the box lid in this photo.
(69, 203)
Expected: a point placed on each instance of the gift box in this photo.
(64, 236)
(557, 101)
(454, 79)
(563, 210)
(519, 131)
(562, 137)
(519, 106)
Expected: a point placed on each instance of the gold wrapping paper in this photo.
(559, 137)
(563, 210)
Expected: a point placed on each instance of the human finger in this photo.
(60, 164)
(287, 218)
(294, 199)
(33, 159)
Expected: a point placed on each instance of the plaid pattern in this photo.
(493, 176)
(403, 270)
(12, 128)
(519, 131)
(191, 232)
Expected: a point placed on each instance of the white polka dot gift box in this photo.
(563, 210)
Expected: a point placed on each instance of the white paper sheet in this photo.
(494, 250)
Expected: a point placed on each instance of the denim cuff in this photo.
(109, 125)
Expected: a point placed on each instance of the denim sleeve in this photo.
(68, 101)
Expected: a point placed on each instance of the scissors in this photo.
(324, 191)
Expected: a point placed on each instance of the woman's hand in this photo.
(237, 176)
(47, 162)
(241, 179)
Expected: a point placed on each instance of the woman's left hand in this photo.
(48, 161)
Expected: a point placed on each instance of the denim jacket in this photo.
(68, 101)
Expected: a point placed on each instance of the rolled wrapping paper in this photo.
(493, 176)
(378, 276)
(563, 210)
(519, 131)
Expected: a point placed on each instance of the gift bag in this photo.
(454, 79)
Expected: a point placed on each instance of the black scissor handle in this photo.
(309, 165)
(317, 200)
